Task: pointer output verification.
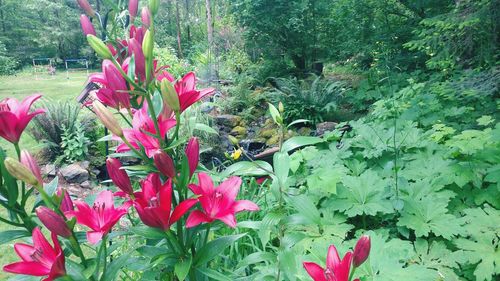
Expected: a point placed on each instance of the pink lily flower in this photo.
(154, 203)
(84, 4)
(336, 269)
(87, 26)
(118, 175)
(39, 259)
(67, 202)
(186, 89)
(30, 162)
(143, 130)
(193, 155)
(114, 92)
(164, 163)
(218, 203)
(15, 116)
(101, 217)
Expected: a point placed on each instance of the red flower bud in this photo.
(133, 5)
(84, 4)
(361, 251)
(164, 163)
(119, 176)
(29, 162)
(66, 203)
(146, 17)
(193, 155)
(54, 222)
(87, 26)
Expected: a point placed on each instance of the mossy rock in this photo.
(267, 133)
(273, 140)
(239, 131)
(269, 122)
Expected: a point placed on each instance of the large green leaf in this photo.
(247, 168)
(299, 141)
(214, 248)
(182, 267)
(9, 235)
(305, 208)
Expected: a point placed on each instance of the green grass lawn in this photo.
(56, 88)
(53, 88)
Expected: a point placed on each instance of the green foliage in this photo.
(61, 124)
(74, 143)
(313, 100)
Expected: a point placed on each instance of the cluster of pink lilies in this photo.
(149, 138)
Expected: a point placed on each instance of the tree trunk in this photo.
(177, 19)
(2, 17)
(210, 28)
(188, 21)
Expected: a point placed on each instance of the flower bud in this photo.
(148, 45)
(193, 155)
(99, 47)
(146, 17)
(66, 202)
(29, 162)
(169, 95)
(53, 222)
(234, 141)
(118, 175)
(84, 4)
(107, 118)
(361, 251)
(281, 108)
(87, 26)
(154, 5)
(133, 6)
(164, 163)
(20, 172)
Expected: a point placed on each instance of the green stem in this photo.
(18, 151)
(77, 248)
(155, 119)
(177, 125)
(174, 243)
(126, 119)
(11, 222)
(105, 250)
(207, 234)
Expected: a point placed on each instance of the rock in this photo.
(50, 170)
(268, 133)
(85, 184)
(304, 131)
(273, 140)
(85, 164)
(228, 120)
(74, 173)
(96, 172)
(239, 131)
(321, 128)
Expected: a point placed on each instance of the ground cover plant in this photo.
(384, 163)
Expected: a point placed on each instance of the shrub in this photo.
(60, 117)
(314, 100)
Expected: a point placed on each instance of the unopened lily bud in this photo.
(233, 140)
(66, 202)
(146, 17)
(119, 176)
(133, 6)
(170, 95)
(30, 162)
(148, 44)
(107, 118)
(99, 47)
(154, 5)
(361, 251)
(164, 163)
(53, 222)
(20, 172)
(193, 154)
(87, 26)
(84, 4)
(281, 108)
